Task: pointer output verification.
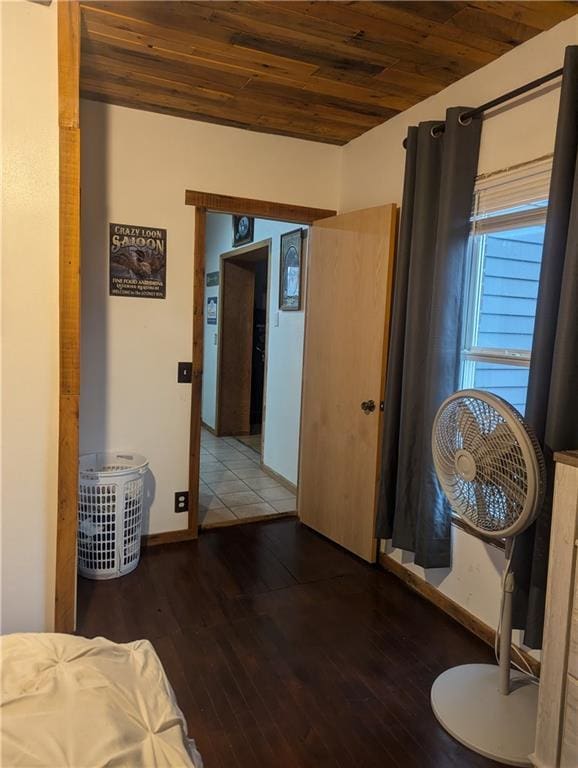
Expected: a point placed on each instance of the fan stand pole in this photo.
(506, 629)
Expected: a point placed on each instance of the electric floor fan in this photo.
(492, 471)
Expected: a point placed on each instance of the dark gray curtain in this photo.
(552, 404)
(425, 335)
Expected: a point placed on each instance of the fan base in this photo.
(468, 704)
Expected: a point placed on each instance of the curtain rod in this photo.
(465, 116)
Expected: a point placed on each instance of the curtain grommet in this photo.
(436, 131)
(461, 120)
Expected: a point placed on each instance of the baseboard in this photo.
(167, 537)
(450, 607)
(208, 428)
(279, 478)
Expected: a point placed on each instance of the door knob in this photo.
(368, 406)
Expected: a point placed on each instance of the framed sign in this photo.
(290, 271)
(243, 227)
(212, 303)
(138, 261)
(212, 279)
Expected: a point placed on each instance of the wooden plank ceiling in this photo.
(324, 71)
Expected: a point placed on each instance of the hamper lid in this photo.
(111, 463)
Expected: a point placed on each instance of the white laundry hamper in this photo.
(110, 508)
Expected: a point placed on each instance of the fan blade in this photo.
(491, 512)
(493, 446)
(467, 425)
(500, 438)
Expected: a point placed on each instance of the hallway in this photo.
(234, 487)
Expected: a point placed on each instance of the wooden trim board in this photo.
(197, 368)
(449, 606)
(262, 209)
(69, 313)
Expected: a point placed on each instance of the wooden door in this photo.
(349, 292)
(235, 349)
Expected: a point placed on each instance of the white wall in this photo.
(135, 169)
(284, 350)
(29, 314)
(372, 174)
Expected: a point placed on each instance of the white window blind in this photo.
(522, 188)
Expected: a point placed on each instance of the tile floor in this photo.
(233, 485)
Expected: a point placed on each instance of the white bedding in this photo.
(71, 702)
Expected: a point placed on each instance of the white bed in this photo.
(72, 702)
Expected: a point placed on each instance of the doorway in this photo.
(348, 261)
(252, 372)
(242, 344)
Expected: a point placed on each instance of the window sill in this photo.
(459, 523)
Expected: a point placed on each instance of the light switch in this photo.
(184, 373)
(276, 319)
(215, 339)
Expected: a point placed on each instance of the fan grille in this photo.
(483, 461)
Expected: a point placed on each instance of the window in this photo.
(502, 277)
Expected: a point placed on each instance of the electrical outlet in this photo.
(182, 501)
(185, 373)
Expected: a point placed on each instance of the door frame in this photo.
(203, 203)
(241, 251)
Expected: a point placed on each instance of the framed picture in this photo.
(138, 261)
(242, 230)
(212, 303)
(290, 271)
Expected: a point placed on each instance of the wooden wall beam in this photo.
(262, 209)
(69, 312)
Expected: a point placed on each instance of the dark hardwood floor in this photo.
(286, 652)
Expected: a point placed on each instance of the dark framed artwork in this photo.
(290, 270)
(138, 261)
(243, 227)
